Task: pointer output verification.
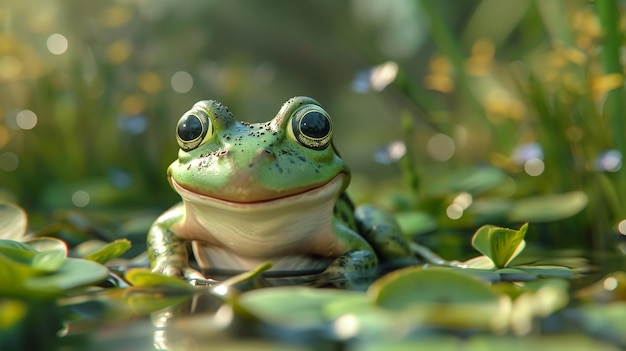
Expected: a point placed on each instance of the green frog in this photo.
(272, 191)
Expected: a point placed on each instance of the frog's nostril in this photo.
(266, 153)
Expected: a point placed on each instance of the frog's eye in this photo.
(192, 129)
(312, 127)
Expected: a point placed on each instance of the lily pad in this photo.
(13, 222)
(548, 208)
(296, 307)
(73, 273)
(440, 297)
(501, 245)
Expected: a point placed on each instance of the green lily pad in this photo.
(17, 251)
(297, 307)
(441, 297)
(73, 273)
(109, 251)
(49, 260)
(143, 277)
(548, 208)
(501, 245)
(47, 244)
(13, 222)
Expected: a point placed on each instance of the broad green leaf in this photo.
(47, 243)
(49, 260)
(501, 245)
(13, 222)
(299, 307)
(109, 251)
(73, 273)
(12, 275)
(548, 208)
(440, 297)
(143, 277)
(402, 288)
(17, 251)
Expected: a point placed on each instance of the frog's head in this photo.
(234, 162)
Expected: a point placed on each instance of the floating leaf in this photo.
(548, 208)
(305, 305)
(13, 222)
(501, 245)
(110, 251)
(46, 244)
(17, 251)
(73, 273)
(442, 297)
(49, 260)
(145, 278)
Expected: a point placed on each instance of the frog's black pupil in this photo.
(315, 125)
(189, 128)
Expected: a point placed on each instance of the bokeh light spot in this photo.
(119, 52)
(149, 82)
(26, 119)
(182, 82)
(610, 283)
(534, 167)
(57, 44)
(621, 227)
(454, 211)
(80, 198)
(9, 162)
(441, 147)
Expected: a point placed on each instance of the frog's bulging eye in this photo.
(312, 127)
(192, 129)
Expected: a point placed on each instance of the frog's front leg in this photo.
(359, 261)
(167, 252)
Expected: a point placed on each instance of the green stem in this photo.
(615, 105)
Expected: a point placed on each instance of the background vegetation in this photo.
(482, 111)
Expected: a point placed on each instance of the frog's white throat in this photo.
(292, 232)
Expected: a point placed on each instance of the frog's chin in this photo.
(327, 190)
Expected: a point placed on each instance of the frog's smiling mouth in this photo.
(323, 191)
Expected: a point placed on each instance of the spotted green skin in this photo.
(248, 163)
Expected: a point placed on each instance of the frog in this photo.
(272, 191)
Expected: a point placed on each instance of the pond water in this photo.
(134, 318)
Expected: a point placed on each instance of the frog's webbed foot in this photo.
(187, 273)
(350, 269)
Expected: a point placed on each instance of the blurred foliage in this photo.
(91, 91)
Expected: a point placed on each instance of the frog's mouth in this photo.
(321, 192)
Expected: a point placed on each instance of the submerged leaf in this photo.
(501, 245)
